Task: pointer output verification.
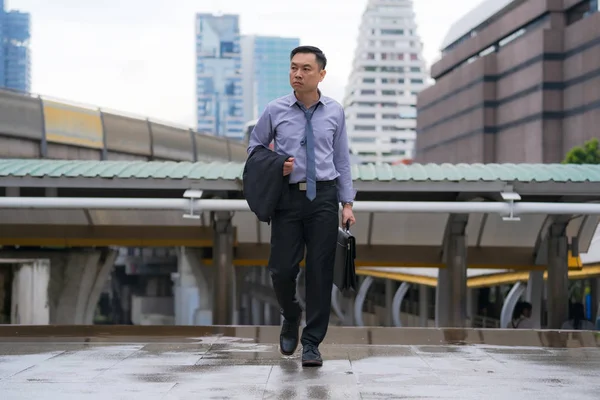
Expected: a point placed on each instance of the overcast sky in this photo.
(138, 55)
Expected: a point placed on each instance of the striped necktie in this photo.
(311, 172)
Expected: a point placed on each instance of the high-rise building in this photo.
(387, 73)
(219, 90)
(518, 82)
(15, 58)
(266, 65)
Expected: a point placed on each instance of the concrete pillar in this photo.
(389, 297)
(535, 295)
(469, 304)
(192, 289)
(451, 296)
(29, 305)
(457, 268)
(76, 281)
(423, 306)
(270, 313)
(440, 296)
(242, 300)
(224, 291)
(558, 278)
(258, 309)
(472, 306)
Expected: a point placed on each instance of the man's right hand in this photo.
(288, 166)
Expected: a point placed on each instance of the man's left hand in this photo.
(348, 216)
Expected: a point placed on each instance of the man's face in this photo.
(305, 73)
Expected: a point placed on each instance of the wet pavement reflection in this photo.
(220, 367)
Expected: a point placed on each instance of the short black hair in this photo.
(321, 59)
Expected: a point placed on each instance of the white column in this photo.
(193, 296)
(30, 305)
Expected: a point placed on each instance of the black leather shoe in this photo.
(311, 357)
(288, 340)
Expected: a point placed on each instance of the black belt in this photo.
(320, 184)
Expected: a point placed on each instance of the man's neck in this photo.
(308, 98)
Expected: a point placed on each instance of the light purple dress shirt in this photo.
(283, 122)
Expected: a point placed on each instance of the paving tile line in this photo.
(33, 366)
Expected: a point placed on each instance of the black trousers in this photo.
(299, 222)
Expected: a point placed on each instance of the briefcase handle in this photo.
(347, 226)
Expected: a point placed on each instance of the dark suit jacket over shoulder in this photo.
(263, 181)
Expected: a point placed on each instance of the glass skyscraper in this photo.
(266, 64)
(218, 75)
(15, 58)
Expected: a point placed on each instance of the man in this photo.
(521, 316)
(309, 128)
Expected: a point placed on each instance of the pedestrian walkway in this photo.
(221, 367)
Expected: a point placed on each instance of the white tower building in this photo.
(387, 73)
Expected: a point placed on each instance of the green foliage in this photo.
(589, 153)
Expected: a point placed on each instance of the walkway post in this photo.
(451, 295)
(223, 265)
(558, 276)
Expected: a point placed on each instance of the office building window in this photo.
(363, 104)
(392, 32)
(392, 69)
(226, 47)
(363, 140)
(392, 80)
(582, 10)
(392, 56)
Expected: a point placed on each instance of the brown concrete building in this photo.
(520, 84)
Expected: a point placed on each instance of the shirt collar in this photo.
(292, 100)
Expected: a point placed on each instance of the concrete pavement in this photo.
(223, 367)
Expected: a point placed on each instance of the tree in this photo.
(589, 153)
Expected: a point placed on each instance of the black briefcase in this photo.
(344, 270)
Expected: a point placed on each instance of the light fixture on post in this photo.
(192, 195)
(510, 197)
